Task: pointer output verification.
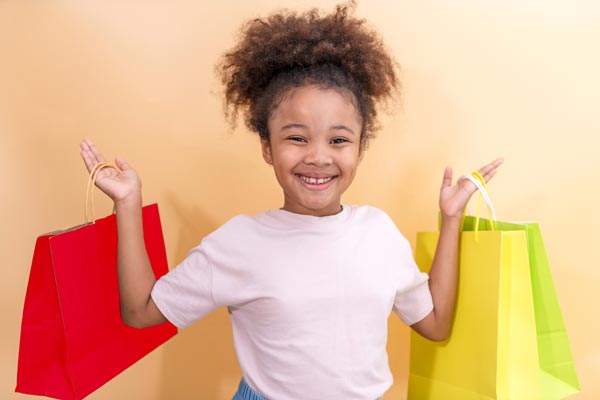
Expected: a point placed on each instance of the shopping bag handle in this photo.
(479, 181)
(89, 191)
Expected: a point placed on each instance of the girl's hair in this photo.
(289, 50)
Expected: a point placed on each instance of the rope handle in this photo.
(479, 181)
(89, 191)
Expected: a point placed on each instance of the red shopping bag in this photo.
(72, 337)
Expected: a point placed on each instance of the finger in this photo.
(490, 169)
(86, 147)
(99, 157)
(447, 180)
(89, 164)
(123, 166)
(491, 166)
(89, 158)
(491, 174)
(91, 150)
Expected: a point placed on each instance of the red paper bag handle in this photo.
(89, 191)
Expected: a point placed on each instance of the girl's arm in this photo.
(136, 277)
(443, 275)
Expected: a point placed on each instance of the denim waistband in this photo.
(245, 393)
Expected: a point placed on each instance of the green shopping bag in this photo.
(508, 338)
(558, 377)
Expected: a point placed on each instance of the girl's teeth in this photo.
(315, 181)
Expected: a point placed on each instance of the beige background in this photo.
(481, 79)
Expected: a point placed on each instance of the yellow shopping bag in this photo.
(508, 339)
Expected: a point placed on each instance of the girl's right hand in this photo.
(120, 186)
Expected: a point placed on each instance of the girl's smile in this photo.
(316, 182)
(314, 148)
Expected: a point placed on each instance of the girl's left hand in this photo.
(454, 199)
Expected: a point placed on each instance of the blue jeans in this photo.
(245, 393)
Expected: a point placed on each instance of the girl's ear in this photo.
(266, 151)
(361, 154)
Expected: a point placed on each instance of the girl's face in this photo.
(314, 148)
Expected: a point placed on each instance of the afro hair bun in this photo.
(292, 49)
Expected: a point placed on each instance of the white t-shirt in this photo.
(309, 298)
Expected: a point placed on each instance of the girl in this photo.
(309, 287)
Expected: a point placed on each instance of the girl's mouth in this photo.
(316, 182)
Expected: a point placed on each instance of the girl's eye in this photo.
(297, 139)
(339, 141)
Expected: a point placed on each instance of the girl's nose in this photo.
(318, 154)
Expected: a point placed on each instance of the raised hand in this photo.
(454, 198)
(443, 275)
(123, 185)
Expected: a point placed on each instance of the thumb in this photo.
(123, 166)
(447, 181)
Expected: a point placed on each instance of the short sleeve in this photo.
(414, 304)
(413, 300)
(184, 295)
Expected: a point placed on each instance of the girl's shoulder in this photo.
(238, 223)
(379, 220)
(370, 213)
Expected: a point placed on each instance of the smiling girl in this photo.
(309, 287)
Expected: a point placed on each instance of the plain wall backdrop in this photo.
(481, 79)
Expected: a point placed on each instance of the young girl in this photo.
(309, 287)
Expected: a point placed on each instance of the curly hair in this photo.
(289, 50)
